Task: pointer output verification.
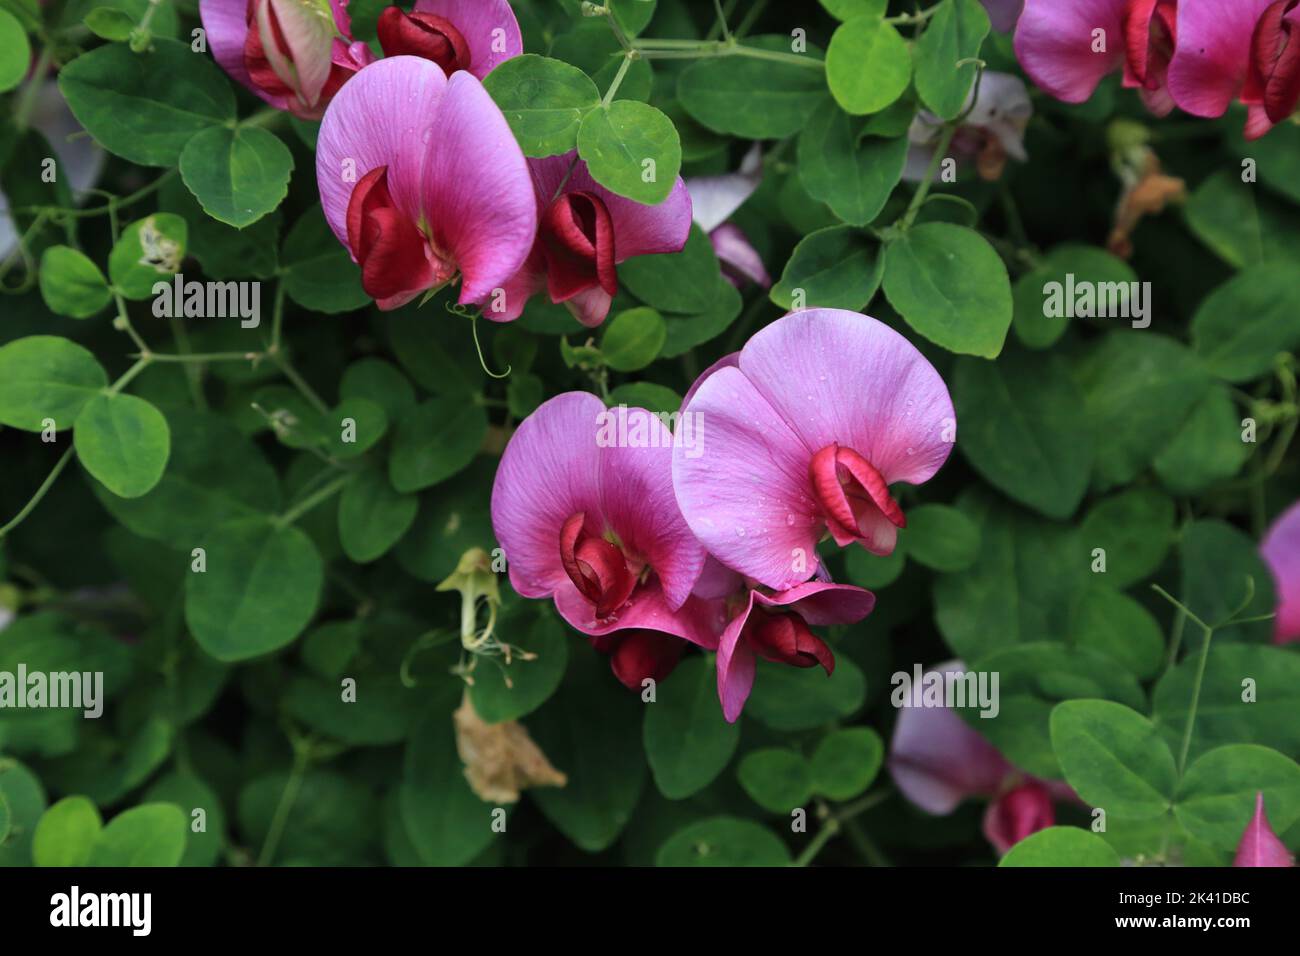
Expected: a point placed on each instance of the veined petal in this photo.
(822, 603)
(226, 24)
(386, 115)
(1259, 845)
(1213, 53)
(1281, 552)
(736, 665)
(309, 30)
(477, 193)
(488, 26)
(695, 621)
(1055, 44)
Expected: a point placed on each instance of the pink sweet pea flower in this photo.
(937, 760)
(583, 506)
(1067, 47)
(1259, 845)
(473, 35)
(584, 231)
(1238, 49)
(294, 54)
(775, 627)
(713, 200)
(1280, 550)
(421, 178)
(992, 132)
(806, 428)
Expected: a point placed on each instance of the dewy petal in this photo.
(937, 760)
(744, 486)
(1259, 845)
(478, 195)
(488, 26)
(822, 603)
(1213, 53)
(226, 24)
(1054, 43)
(715, 198)
(843, 378)
(736, 665)
(1280, 550)
(695, 621)
(384, 116)
(730, 360)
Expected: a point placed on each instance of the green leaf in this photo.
(1216, 797)
(1135, 528)
(355, 426)
(1277, 156)
(319, 273)
(543, 100)
(850, 171)
(1026, 585)
(109, 24)
(868, 65)
(602, 758)
(647, 395)
(1034, 677)
(1021, 425)
(941, 537)
(15, 52)
(631, 149)
(846, 762)
(951, 287)
(146, 107)
(687, 331)
(801, 698)
(45, 376)
(25, 799)
(1061, 846)
(1037, 321)
(632, 339)
(518, 688)
(66, 833)
(225, 252)
(214, 474)
(381, 382)
(1250, 694)
(1139, 387)
(685, 282)
(687, 740)
(752, 98)
(124, 442)
(151, 834)
(868, 570)
(71, 284)
(149, 251)
(6, 818)
(237, 175)
(202, 848)
(1237, 348)
(777, 779)
(449, 523)
(1217, 559)
(1112, 623)
(954, 33)
(335, 819)
(1227, 216)
(259, 591)
(848, 9)
(373, 516)
(835, 268)
(723, 841)
(591, 46)
(1114, 758)
(1207, 448)
(434, 441)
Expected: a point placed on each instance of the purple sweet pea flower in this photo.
(1067, 48)
(1280, 550)
(294, 54)
(584, 231)
(937, 760)
(713, 200)
(583, 506)
(807, 427)
(421, 178)
(1259, 845)
(472, 35)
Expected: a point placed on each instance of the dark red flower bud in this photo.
(423, 35)
(1017, 814)
(784, 638)
(386, 244)
(596, 566)
(1275, 59)
(639, 654)
(577, 236)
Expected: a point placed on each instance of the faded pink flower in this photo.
(1280, 550)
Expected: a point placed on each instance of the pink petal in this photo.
(938, 761)
(311, 41)
(715, 198)
(478, 195)
(1003, 13)
(821, 603)
(226, 24)
(736, 665)
(1213, 53)
(484, 24)
(590, 307)
(383, 116)
(1259, 844)
(717, 581)
(1280, 550)
(737, 255)
(730, 360)
(848, 379)
(1018, 813)
(697, 621)
(1054, 41)
(744, 487)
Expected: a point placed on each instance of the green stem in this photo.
(722, 21)
(698, 49)
(752, 14)
(304, 506)
(288, 797)
(300, 384)
(41, 492)
(618, 78)
(23, 110)
(923, 190)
